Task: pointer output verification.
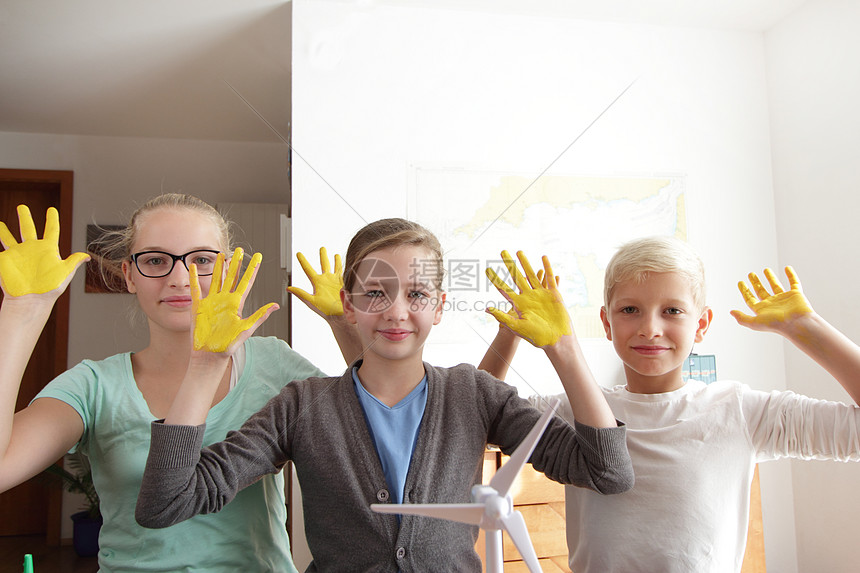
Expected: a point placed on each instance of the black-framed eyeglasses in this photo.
(157, 264)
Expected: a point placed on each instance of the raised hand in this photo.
(34, 265)
(772, 310)
(217, 319)
(538, 312)
(325, 300)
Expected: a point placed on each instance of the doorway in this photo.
(32, 508)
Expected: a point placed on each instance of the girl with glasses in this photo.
(103, 409)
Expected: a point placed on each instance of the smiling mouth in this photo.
(395, 334)
(650, 350)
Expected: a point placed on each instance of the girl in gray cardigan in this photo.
(392, 428)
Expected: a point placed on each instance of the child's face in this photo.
(653, 325)
(166, 301)
(394, 302)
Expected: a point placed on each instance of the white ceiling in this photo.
(162, 68)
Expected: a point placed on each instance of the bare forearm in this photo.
(20, 327)
(501, 352)
(831, 349)
(347, 338)
(194, 398)
(586, 399)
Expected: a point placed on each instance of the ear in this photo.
(438, 318)
(129, 280)
(604, 318)
(704, 323)
(348, 309)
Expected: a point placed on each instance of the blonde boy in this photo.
(694, 446)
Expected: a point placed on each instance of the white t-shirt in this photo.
(694, 452)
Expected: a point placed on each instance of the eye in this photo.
(627, 309)
(374, 294)
(152, 260)
(417, 294)
(674, 310)
(201, 260)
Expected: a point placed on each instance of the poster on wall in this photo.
(578, 221)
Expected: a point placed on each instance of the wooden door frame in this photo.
(65, 181)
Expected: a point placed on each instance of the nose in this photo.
(651, 326)
(398, 310)
(179, 275)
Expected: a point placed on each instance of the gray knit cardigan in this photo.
(320, 426)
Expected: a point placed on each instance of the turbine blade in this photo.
(470, 513)
(501, 482)
(515, 525)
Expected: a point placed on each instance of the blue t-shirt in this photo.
(249, 534)
(394, 431)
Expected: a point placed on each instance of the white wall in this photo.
(812, 60)
(112, 177)
(377, 88)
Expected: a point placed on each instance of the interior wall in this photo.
(378, 89)
(814, 90)
(112, 176)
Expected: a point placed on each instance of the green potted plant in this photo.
(78, 478)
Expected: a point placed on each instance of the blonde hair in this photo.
(658, 254)
(114, 246)
(392, 233)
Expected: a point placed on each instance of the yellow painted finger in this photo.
(217, 274)
(338, 265)
(503, 317)
(324, 266)
(25, 222)
(758, 287)
(249, 273)
(302, 294)
(775, 285)
(233, 270)
(74, 260)
(6, 237)
(252, 320)
(531, 277)
(52, 226)
(500, 284)
(793, 279)
(195, 284)
(749, 298)
(516, 277)
(306, 266)
(552, 280)
(741, 317)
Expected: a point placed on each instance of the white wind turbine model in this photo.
(492, 507)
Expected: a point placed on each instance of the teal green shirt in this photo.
(248, 535)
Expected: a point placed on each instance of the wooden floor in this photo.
(45, 559)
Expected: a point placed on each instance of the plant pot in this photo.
(85, 534)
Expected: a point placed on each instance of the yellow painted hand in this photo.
(772, 310)
(218, 324)
(539, 314)
(325, 300)
(34, 265)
